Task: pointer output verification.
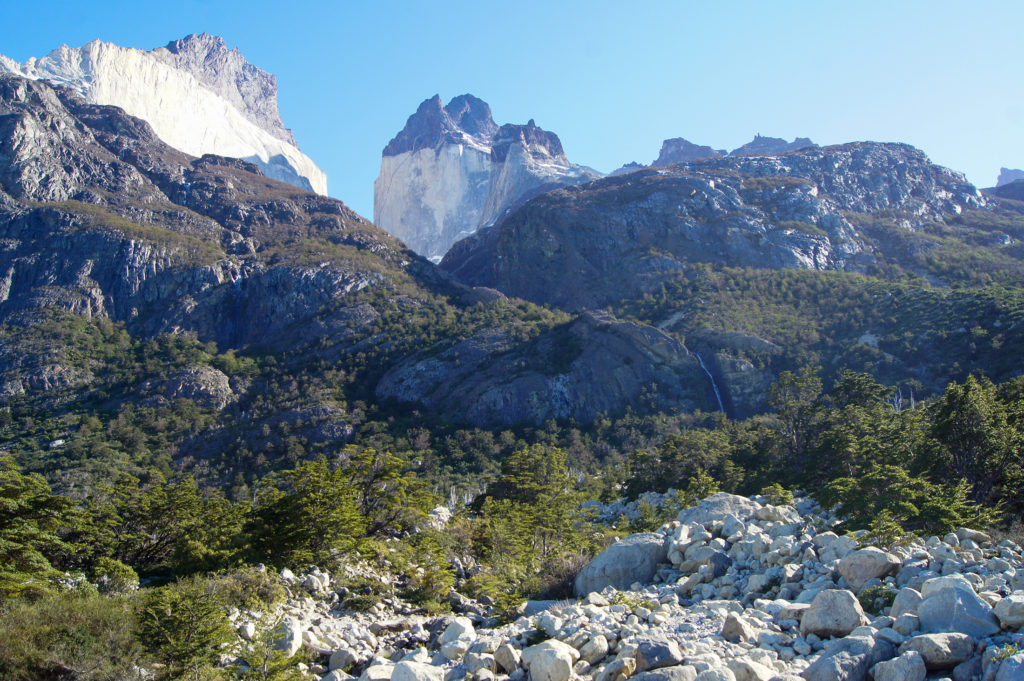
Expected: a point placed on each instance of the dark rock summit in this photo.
(587, 246)
(771, 145)
(434, 124)
(679, 150)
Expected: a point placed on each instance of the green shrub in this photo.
(184, 627)
(777, 495)
(248, 587)
(875, 599)
(112, 576)
(78, 634)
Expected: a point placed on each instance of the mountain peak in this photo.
(210, 99)
(771, 145)
(434, 123)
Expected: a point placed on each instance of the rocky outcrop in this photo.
(595, 364)
(198, 96)
(621, 237)
(1008, 175)
(452, 170)
(771, 145)
(679, 150)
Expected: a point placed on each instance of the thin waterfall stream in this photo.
(718, 394)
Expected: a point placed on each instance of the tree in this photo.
(794, 399)
(979, 445)
(30, 517)
(315, 515)
(184, 626)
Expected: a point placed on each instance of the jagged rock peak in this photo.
(199, 97)
(452, 170)
(1008, 175)
(771, 145)
(434, 123)
(227, 72)
(679, 150)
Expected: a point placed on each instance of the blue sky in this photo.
(612, 79)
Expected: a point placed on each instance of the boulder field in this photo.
(735, 589)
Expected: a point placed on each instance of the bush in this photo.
(777, 495)
(113, 577)
(183, 626)
(248, 587)
(78, 634)
(875, 599)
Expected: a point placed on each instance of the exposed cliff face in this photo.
(99, 218)
(620, 237)
(596, 364)
(198, 96)
(452, 170)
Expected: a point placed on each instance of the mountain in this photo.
(1008, 175)
(586, 246)
(451, 170)
(771, 145)
(679, 150)
(198, 96)
(131, 274)
(864, 256)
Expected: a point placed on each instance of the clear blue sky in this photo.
(612, 79)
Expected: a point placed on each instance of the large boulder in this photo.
(288, 636)
(551, 660)
(949, 604)
(849, 659)
(833, 612)
(634, 559)
(861, 566)
(907, 601)
(417, 671)
(1010, 611)
(940, 651)
(907, 667)
(719, 507)
(1011, 669)
(657, 654)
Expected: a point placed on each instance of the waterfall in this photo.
(718, 394)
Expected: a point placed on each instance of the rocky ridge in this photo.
(451, 170)
(621, 237)
(100, 218)
(736, 589)
(198, 96)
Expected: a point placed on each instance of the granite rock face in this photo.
(578, 371)
(451, 170)
(198, 96)
(621, 237)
